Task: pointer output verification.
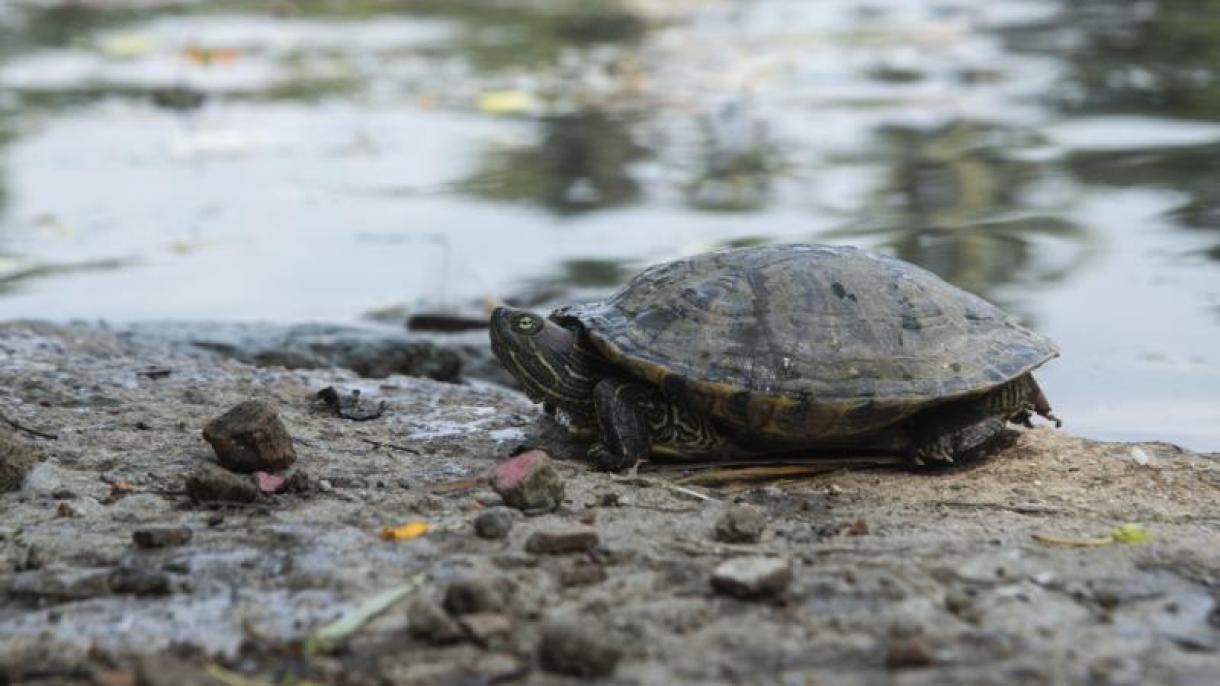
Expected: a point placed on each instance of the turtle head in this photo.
(548, 360)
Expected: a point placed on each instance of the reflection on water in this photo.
(557, 147)
(1148, 57)
(581, 163)
(736, 163)
(1192, 170)
(956, 202)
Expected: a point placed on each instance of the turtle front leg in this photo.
(625, 437)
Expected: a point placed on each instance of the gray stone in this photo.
(427, 621)
(161, 537)
(494, 523)
(577, 649)
(741, 524)
(210, 482)
(752, 577)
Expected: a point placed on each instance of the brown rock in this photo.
(16, 458)
(528, 482)
(485, 628)
(908, 652)
(250, 438)
(741, 524)
(572, 539)
(161, 537)
(752, 577)
(576, 649)
(582, 573)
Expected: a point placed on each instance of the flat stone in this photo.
(752, 577)
(494, 523)
(573, 539)
(741, 524)
(577, 649)
(168, 671)
(909, 652)
(528, 481)
(478, 594)
(251, 438)
(210, 482)
(138, 581)
(581, 573)
(56, 585)
(485, 628)
(161, 537)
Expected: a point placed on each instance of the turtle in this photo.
(776, 349)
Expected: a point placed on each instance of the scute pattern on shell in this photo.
(807, 342)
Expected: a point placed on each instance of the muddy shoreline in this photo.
(954, 576)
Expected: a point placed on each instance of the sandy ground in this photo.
(897, 577)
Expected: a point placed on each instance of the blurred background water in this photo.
(354, 161)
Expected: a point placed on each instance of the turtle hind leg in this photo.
(622, 420)
(940, 443)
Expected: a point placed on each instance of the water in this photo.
(324, 161)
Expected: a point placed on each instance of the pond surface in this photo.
(316, 161)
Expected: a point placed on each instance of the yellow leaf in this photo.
(506, 102)
(405, 532)
(1131, 534)
(126, 46)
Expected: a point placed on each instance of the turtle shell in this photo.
(806, 343)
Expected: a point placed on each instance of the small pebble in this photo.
(581, 573)
(577, 649)
(427, 621)
(528, 481)
(485, 628)
(478, 594)
(494, 523)
(251, 438)
(161, 537)
(741, 524)
(908, 652)
(752, 577)
(572, 539)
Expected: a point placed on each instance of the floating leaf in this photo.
(405, 532)
(506, 102)
(126, 46)
(211, 56)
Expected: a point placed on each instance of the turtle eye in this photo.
(527, 324)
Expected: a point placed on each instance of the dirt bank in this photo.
(896, 577)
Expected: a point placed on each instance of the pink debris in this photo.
(269, 484)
